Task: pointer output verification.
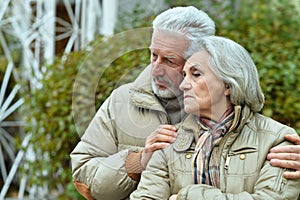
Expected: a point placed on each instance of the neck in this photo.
(174, 108)
(218, 116)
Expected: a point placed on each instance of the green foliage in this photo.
(270, 31)
(111, 62)
(48, 115)
(138, 17)
(78, 85)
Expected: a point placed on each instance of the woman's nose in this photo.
(184, 85)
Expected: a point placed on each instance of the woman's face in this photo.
(205, 95)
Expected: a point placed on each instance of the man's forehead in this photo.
(169, 36)
(168, 43)
(168, 33)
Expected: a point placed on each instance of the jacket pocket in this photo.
(180, 170)
(242, 161)
(182, 162)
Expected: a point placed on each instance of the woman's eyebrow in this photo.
(195, 66)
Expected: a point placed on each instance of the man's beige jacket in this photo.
(121, 125)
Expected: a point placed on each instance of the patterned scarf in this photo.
(206, 170)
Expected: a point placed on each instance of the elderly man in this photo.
(117, 145)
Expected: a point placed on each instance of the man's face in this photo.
(167, 62)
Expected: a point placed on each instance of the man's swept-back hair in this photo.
(232, 63)
(189, 21)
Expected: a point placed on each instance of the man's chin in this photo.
(163, 91)
(166, 93)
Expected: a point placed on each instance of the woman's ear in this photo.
(227, 89)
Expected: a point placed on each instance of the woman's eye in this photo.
(196, 74)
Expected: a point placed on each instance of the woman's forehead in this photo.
(198, 58)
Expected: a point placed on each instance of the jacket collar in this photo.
(189, 128)
(241, 116)
(141, 94)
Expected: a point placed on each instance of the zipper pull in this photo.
(227, 162)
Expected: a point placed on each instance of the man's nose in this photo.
(158, 68)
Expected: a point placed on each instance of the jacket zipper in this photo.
(227, 161)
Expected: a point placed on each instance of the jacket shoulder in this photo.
(267, 126)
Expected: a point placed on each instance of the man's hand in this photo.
(173, 197)
(287, 157)
(159, 139)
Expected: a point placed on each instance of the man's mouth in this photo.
(187, 96)
(161, 84)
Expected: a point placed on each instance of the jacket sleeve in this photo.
(97, 162)
(270, 185)
(154, 183)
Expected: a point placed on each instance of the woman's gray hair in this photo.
(232, 63)
(189, 21)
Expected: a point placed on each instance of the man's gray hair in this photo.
(189, 21)
(232, 63)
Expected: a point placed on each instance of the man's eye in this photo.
(153, 56)
(170, 61)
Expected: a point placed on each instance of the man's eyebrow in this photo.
(170, 56)
(165, 56)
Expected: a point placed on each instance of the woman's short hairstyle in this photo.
(232, 63)
(189, 21)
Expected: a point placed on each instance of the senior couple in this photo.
(215, 146)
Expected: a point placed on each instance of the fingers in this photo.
(284, 163)
(163, 134)
(291, 175)
(295, 138)
(162, 137)
(286, 149)
(284, 156)
(294, 167)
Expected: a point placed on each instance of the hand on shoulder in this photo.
(287, 157)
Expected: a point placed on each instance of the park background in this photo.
(50, 89)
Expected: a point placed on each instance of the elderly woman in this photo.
(221, 148)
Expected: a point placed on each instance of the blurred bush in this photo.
(74, 88)
(270, 31)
